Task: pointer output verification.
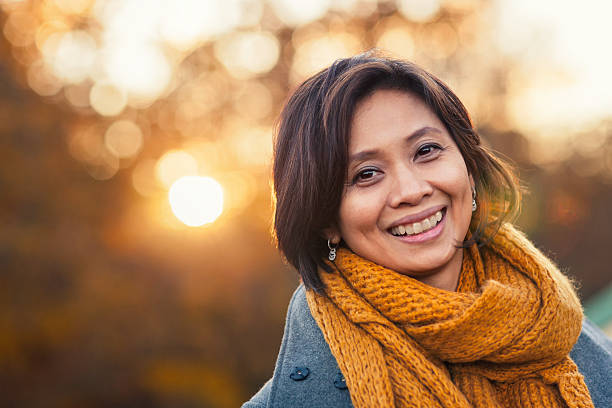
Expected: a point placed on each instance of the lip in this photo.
(420, 216)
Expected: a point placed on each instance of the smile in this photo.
(418, 227)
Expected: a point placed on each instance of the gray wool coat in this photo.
(307, 375)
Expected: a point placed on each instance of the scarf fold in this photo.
(501, 340)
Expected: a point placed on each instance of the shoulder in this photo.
(592, 353)
(306, 373)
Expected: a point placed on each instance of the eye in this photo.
(428, 150)
(365, 176)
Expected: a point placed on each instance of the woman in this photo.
(417, 292)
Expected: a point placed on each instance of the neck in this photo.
(447, 276)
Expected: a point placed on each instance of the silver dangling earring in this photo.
(474, 205)
(332, 250)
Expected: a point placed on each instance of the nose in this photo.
(408, 187)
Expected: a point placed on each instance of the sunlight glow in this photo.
(196, 201)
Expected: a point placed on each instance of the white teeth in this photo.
(418, 227)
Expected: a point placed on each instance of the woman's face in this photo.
(408, 197)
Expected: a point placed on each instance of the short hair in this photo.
(311, 155)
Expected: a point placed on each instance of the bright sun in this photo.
(196, 201)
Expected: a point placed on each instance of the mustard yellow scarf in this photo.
(501, 340)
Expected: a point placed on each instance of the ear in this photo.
(332, 234)
(472, 183)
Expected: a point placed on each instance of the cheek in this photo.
(462, 192)
(358, 212)
(454, 180)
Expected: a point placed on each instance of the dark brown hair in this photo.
(311, 150)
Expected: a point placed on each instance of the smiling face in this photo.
(408, 195)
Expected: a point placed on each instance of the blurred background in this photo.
(137, 263)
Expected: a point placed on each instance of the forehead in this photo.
(389, 115)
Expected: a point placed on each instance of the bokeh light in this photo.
(355, 8)
(78, 94)
(196, 201)
(107, 99)
(19, 28)
(316, 50)
(42, 80)
(439, 41)
(398, 41)
(175, 164)
(74, 6)
(254, 100)
(140, 69)
(123, 138)
(419, 10)
(103, 166)
(248, 54)
(85, 142)
(73, 56)
(253, 146)
(295, 13)
(185, 23)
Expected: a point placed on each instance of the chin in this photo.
(427, 266)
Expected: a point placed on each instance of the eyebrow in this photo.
(366, 154)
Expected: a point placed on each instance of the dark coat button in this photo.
(340, 382)
(299, 373)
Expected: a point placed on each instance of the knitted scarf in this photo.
(501, 340)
